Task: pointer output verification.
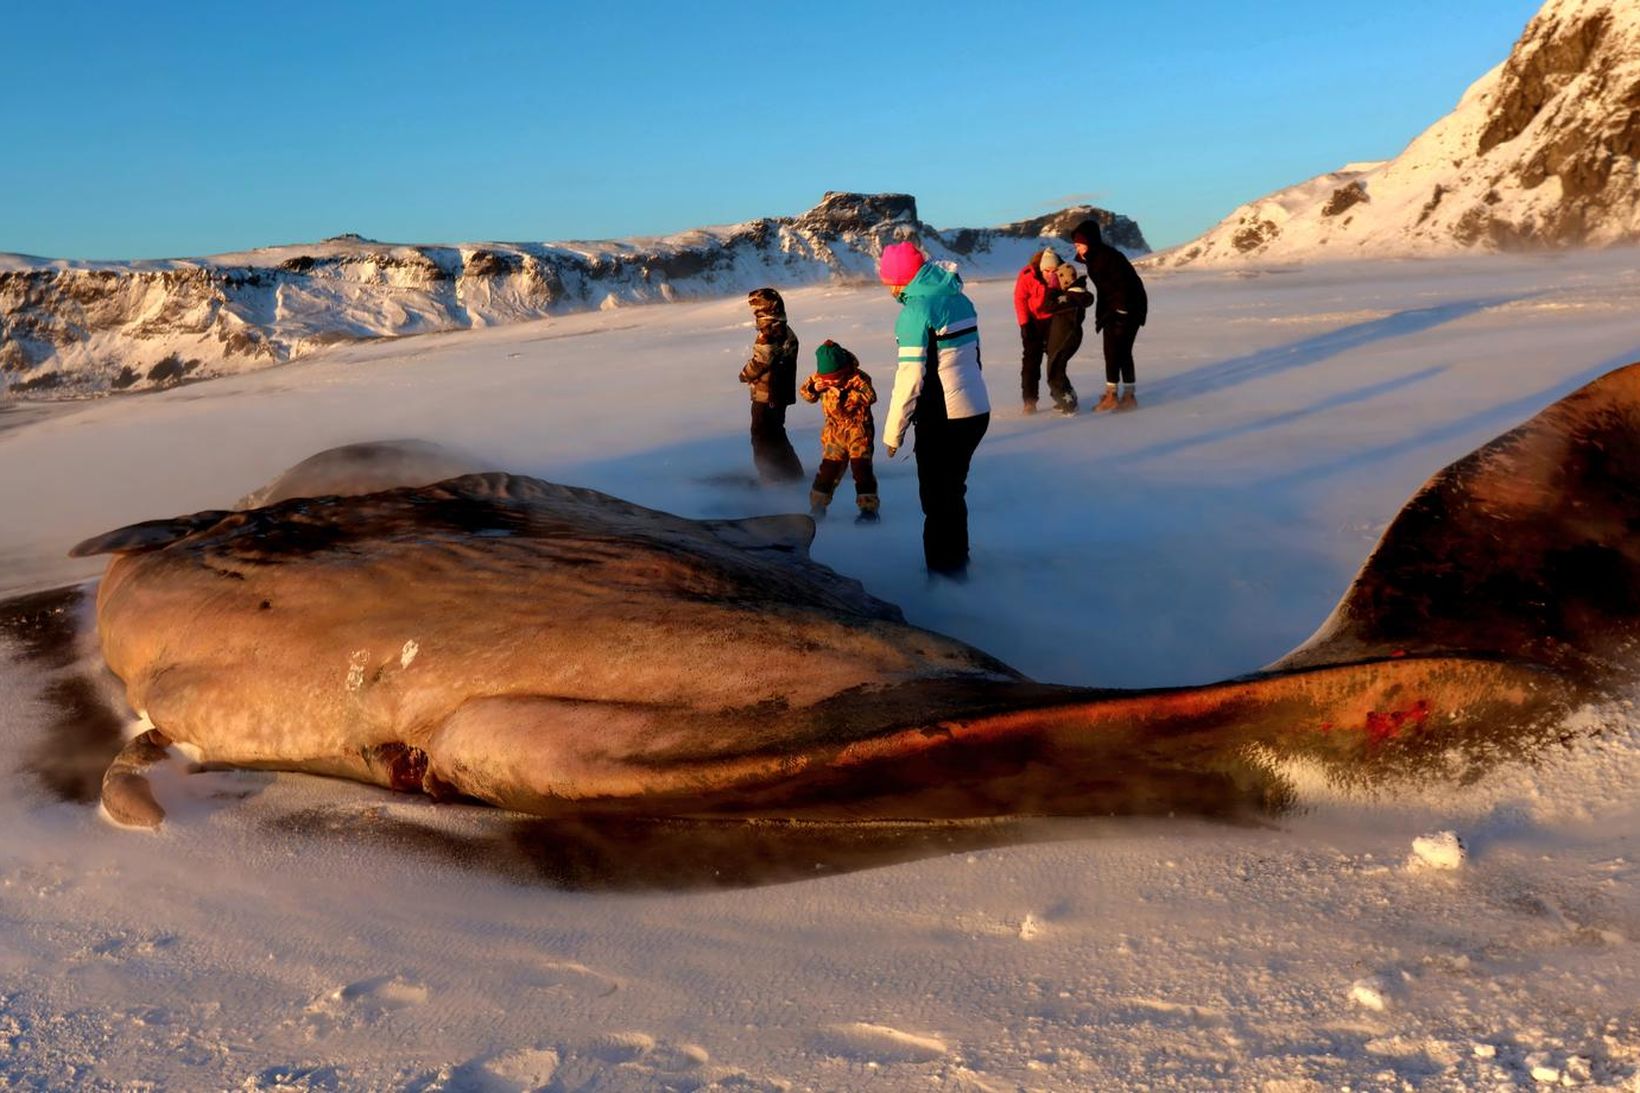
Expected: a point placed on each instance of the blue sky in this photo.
(164, 129)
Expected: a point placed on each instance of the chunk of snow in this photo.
(1538, 1065)
(1440, 850)
(1369, 993)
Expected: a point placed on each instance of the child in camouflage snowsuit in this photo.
(849, 433)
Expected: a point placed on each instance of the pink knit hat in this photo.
(900, 263)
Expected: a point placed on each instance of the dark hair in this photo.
(1086, 232)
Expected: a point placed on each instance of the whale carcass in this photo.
(556, 650)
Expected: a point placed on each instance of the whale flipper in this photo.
(148, 535)
(126, 795)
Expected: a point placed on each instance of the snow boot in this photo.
(1065, 405)
(1128, 401)
(1107, 403)
(1028, 409)
(868, 509)
(818, 503)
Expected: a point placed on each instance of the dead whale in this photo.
(561, 652)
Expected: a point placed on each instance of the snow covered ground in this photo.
(294, 932)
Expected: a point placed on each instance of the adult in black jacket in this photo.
(1121, 309)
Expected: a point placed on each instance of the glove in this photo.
(1098, 325)
(890, 449)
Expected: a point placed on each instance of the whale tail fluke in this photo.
(1525, 550)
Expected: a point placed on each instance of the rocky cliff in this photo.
(70, 329)
(1540, 153)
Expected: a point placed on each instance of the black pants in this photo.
(1033, 338)
(831, 473)
(772, 449)
(944, 450)
(1059, 385)
(1119, 352)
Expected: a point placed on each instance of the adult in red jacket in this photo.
(1030, 308)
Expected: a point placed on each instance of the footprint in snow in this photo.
(1161, 1011)
(525, 1069)
(364, 1002)
(622, 1047)
(618, 1060)
(879, 1043)
(291, 1078)
(568, 977)
(121, 947)
(657, 1056)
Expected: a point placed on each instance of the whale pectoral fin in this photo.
(791, 534)
(148, 535)
(127, 797)
(1523, 550)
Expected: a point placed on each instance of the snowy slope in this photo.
(289, 932)
(76, 328)
(1541, 152)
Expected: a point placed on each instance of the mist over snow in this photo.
(293, 932)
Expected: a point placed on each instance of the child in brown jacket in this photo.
(771, 375)
(849, 433)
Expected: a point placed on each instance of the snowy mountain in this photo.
(1540, 153)
(70, 328)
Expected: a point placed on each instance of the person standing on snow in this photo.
(1030, 290)
(1068, 301)
(772, 375)
(939, 390)
(1121, 310)
(848, 433)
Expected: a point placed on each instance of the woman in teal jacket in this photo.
(940, 390)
